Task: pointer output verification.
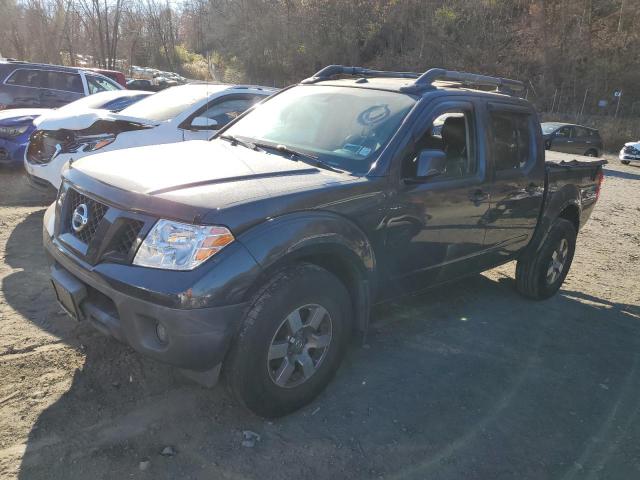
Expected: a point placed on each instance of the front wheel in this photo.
(292, 341)
(540, 275)
(625, 162)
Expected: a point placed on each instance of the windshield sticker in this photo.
(364, 151)
(352, 147)
(373, 115)
(359, 150)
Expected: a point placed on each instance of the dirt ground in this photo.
(469, 381)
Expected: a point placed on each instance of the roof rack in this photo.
(422, 81)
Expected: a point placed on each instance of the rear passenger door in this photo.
(517, 163)
(61, 88)
(582, 140)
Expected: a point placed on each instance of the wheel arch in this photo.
(563, 204)
(324, 239)
(571, 212)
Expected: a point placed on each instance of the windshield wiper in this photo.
(307, 158)
(236, 141)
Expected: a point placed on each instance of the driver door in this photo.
(436, 227)
(563, 140)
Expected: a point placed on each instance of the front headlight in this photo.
(181, 246)
(91, 143)
(12, 132)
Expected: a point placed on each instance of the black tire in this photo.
(625, 162)
(532, 270)
(591, 153)
(249, 373)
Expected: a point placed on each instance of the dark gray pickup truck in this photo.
(259, 253)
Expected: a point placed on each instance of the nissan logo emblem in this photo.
(80, 218)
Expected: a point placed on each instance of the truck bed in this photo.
(571, 179)
(559, 159)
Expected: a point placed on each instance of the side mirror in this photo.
(430, 163)
(204, 123)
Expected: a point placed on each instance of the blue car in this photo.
(15, 128)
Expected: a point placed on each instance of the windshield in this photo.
(166, 104)
(104, 100)
(344, 127)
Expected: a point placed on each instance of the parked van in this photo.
(37, 85)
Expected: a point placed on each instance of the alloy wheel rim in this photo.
(558, 262)
(299, 346)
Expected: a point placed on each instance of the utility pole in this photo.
(620, 17)
(584, 100)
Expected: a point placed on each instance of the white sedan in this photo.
(630, 153)
(177, 114)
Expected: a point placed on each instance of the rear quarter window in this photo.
(34, 78)
(24, 77)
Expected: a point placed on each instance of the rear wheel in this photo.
(625, 162)
(540, 275)
(591, 153)
(292, 341)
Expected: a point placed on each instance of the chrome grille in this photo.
(96, 211)
(127, 236)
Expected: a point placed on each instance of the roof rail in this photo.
(327, 72)
(426, 80)
(423, 81)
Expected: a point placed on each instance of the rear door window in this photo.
(581, 132)
(512, 140)
(67, 82)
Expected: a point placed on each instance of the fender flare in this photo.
(566, 197)
(321, 234)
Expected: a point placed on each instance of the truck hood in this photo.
(209, 174)
(84, 118)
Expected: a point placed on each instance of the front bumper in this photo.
(11, 152)
(629, 158)
(197, 338)
(40, 184)
(49, 173)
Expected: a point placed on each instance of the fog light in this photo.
(161, 332)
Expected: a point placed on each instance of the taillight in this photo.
(599, 180)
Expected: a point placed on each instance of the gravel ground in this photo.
(467, 381)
